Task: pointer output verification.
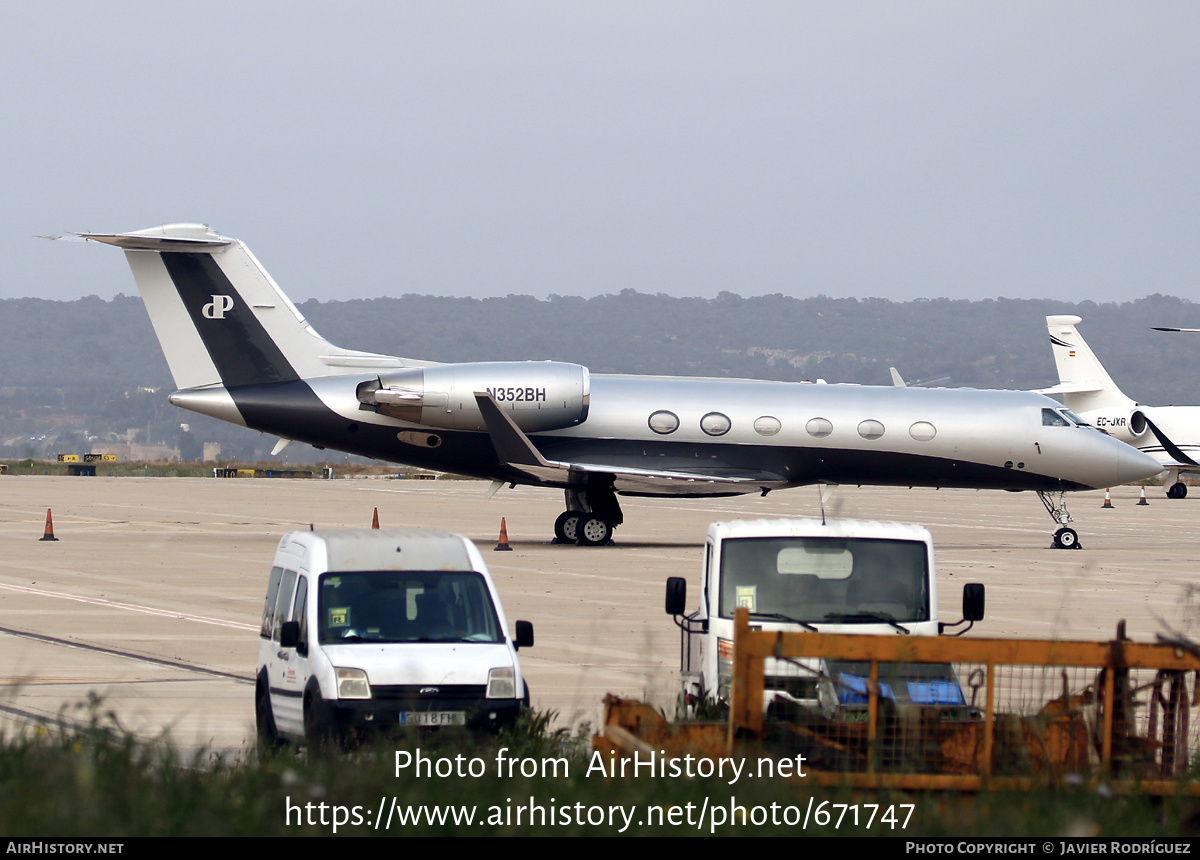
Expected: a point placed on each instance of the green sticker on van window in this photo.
(339, 616)
(747, 597)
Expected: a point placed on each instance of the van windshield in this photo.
(825, 580)
(406, 606)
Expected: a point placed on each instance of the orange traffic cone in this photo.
(375, 519)
(1142, 500)
(502, 544)
(1107, 500)
(49, 533)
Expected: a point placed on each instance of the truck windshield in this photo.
(403, 606)
(826, 580)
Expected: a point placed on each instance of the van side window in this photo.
(268, 613)
(300, 613)
(283, 602)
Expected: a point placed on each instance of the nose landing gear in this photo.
(1066, 537)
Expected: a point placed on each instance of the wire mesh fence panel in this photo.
(1023, 709)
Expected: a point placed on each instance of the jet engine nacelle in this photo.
(1126, 426)
(538, 395)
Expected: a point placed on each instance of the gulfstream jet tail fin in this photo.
(219, 316)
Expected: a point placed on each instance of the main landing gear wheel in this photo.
(593, 531)
(566, 527)
(1066, 538)
(1178, 490)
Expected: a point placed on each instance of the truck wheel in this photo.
(269, 740)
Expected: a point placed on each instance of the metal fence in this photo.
(940, 712)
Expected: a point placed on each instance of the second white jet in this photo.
(1170, 434)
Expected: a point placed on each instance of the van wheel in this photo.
(269, 740)
(317, 725)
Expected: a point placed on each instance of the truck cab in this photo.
(840, 576)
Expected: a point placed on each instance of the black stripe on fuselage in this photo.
(294, 411)
(241, 349)
(799, 465)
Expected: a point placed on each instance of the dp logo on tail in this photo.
(215, 310)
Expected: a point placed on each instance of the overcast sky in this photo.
(889, 149)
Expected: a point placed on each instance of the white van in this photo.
(369, 629)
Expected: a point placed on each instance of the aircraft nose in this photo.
(1133, 465)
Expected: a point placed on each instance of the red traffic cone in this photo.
(502, 544)
(375, 519)
(49, 533)
(1107, 499)
(1142, 500)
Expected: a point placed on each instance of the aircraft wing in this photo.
(514, 449)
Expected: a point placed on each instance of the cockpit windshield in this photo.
(406, 606)
(826, 580)
(1062, 418)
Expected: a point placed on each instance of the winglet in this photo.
(512, 445)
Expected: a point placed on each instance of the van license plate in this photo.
(433, 718)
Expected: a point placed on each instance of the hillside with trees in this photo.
(79, 375)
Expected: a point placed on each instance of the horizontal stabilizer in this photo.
(1068, 388)
(203, 240)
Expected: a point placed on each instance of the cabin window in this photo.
(819, 427)
(870, 429)
(922, 431)
(767, 426)
(664, 422)
(715, 424)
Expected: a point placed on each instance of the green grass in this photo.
(93, 778)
